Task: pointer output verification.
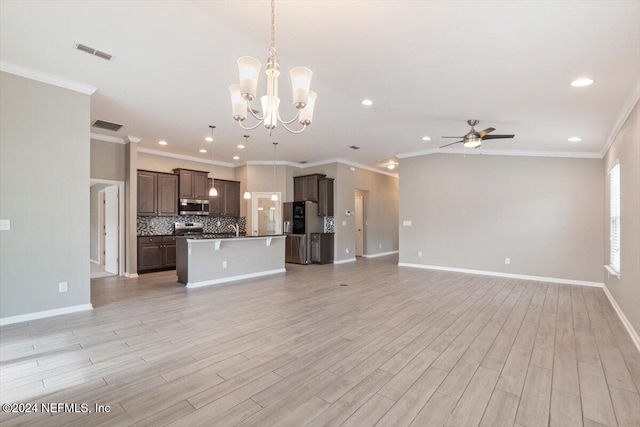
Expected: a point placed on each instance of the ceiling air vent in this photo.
(101, 124)
(94, 52)
(354, 147)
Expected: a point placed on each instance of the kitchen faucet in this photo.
(236, 228)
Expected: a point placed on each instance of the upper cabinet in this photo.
(306, 187)
(325, 197)
(193, 184)
(227, 202)
(157, 193)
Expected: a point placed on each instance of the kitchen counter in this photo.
(212, 259)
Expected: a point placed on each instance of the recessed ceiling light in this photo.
(203, 150)
(208, 139)
(426, 138)
(240, 146)
(574, 139)
(367, 102)
(236, 157)
(581, 82)
(391, 166)
(162, 142)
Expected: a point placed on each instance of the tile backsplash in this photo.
(329, 225)
(157, 225)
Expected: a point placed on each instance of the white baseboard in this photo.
(234, 278)
(93, 261)
(380, 254)
(510, 275)
(632, 332)
(131, 275)
(42, 314)
(344, 261)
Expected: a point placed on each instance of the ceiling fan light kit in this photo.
(242, 94)
(473, 138)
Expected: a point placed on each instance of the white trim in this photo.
(131, 275)
(42, 314)
(344, 261)
(271, 163)
(93, 261)
(632, 332)
(319, 163)
(234, 278)
(106, 138)
(510, 275)
(379, 255)
(183, 157)
(369, 168)
(131, 139)
(627, 108)
(121, 220)
(490, 152)
(39, 76)
(611, 271)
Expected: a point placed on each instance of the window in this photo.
(614, 218)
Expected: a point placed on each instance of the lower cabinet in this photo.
(156, 253)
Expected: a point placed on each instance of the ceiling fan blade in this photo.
(482, 133)
(497, 137)
(452, 137)
(457, 142)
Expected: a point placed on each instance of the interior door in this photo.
(359, 224)
(111, 229)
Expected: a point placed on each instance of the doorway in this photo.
(360, 222)
(106, 228)
(266, 214)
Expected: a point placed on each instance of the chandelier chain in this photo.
(273, 25)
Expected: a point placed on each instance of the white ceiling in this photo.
(428, 66)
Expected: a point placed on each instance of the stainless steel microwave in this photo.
(193, 206)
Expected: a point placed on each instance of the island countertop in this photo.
(213, 259)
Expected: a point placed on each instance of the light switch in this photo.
(406, 223)
(5, 224)
(344, 223)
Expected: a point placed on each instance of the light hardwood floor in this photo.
(360, 344)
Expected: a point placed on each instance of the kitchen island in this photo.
(211, 260)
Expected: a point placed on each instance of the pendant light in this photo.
(274, 196)
(212, 191)
(247, 194)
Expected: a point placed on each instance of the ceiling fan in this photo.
(473, 139)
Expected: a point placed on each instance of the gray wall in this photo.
(156, 163)
(94, 219)
(626, 148)
(544, 213)
(108, 161)
(44, 156)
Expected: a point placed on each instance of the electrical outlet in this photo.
(420, 254)
(5, 224)
(507, 261)
(406, 223)
(63, 286)
(380, 245)
(344, 223)
(224, 264)
(347, 250)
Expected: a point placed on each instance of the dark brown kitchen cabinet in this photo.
(306, 187)
(157, 193)
(156, 253)
(325, 197)
(227, 202)
(193, 184)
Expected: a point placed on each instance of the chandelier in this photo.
(243, 93)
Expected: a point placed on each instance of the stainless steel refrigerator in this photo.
(300, 220)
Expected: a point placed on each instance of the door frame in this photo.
(121, 220)
(359, 213)
(101, 206)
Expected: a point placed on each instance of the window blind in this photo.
(614, 221)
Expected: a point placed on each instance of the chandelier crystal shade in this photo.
(243, 93)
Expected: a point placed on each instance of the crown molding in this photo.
(132, 139)
(273, 162)
(107, 138)
(365, 167)
(627, 108)
(184, 157)
(39, 76)
(520, 153)
(320, 163)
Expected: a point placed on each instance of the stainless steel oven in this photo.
(194, 206)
